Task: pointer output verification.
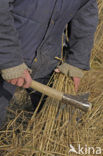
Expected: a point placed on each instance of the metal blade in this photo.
(79, 101)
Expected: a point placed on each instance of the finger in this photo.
(20, 82)
(13, 81)
(76, 87)
(57, 70)
(28, 80)
(76, 83)
(8, 81)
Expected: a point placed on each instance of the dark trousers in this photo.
(6, 93)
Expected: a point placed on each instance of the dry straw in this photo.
(51, 131)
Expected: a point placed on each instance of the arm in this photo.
(12, 65)
(83, 27)
(81, 35)
(10, 51)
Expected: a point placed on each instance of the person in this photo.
(32, 29)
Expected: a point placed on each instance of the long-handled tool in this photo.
(79, 102)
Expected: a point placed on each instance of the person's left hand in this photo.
(75, 79)
(76, 83)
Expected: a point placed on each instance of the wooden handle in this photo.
(46, 90)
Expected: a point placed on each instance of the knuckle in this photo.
(13, 82)
(20, 82)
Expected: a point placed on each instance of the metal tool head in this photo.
(79, 101)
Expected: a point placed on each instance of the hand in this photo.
(24, 81)
(75, 79)
(76, 83)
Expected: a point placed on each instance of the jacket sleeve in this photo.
(82, 29)
(10, 51)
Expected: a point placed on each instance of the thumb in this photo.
(27, 78)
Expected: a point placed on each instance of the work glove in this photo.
(71, 71)
(18, 75)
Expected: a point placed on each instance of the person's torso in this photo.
(40, 24)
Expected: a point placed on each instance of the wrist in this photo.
(14, 72)
(71, 71)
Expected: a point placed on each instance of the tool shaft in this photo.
(67, 99)
(46, 90)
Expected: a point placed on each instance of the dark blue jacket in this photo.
(33, 28)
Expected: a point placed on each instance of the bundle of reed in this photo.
(97, 53)
(57, 128)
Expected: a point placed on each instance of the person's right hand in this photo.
(24, 81)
